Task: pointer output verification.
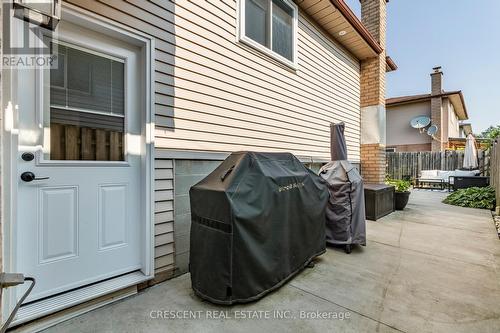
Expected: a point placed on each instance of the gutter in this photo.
(391, 65)
(357, 25)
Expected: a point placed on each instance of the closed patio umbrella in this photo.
(470, 154)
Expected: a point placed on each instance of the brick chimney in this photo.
(437, 81)
(437, 116)
(373, 119)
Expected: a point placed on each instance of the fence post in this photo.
(495, 170)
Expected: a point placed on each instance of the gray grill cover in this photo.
(345, 214)
(257, 220)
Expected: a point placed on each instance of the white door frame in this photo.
(10, 155)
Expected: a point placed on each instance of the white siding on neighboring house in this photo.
(216, 94)
(453, 123)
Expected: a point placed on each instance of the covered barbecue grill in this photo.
(257, 220)
(345, 215)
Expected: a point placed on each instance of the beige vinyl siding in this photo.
(213, 93)
(164, 215)
(216, 94)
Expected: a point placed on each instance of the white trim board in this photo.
(214, 156)
(10, 159)
(66, 300)
(56, 318)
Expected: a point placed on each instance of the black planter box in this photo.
(379, 200)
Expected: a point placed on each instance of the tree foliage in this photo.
(491, 132)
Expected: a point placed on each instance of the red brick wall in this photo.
(373, 163)
(373, 15)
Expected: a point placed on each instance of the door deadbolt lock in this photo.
(28, 156)
(29, 176)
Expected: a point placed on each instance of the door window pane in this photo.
(282, 29)
(256, 20)
(87, 115)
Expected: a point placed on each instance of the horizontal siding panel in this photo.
(187, 134)
(164, 184)
(230, 147)
(187, 98)
(163, 173)
(311, 106)
(215, 87)
(164, 228)
(198, 121)
(164, 261)
(164, 239)
(163, 164)
(317, 92)
(193, 109)
(164, 217)
(164, 269)
(247, 114)
(335, 84)
(164, 195)
(164, 250)
(163, 206)
(178, 124)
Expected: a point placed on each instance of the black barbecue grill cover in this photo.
(257, 220)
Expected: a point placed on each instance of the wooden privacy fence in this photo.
(495, 169)
(69, 142)
(409, 164)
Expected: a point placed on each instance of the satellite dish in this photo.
(420, 122)
(432, 130)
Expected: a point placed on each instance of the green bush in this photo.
(473, 197)
(400, 185)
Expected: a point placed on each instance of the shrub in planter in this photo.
(402, 194)
(473, 197)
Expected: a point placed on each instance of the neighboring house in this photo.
(446, 109)
(459, 142)
(147, 98)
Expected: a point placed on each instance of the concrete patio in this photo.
(430, 268)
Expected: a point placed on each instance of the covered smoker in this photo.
(345, 214)
(257, 220)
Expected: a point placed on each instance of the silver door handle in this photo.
(29, 176)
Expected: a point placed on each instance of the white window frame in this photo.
(96, 53)
(250, 42)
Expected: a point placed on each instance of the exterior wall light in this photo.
(45, 13)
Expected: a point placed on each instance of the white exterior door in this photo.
(80, 217)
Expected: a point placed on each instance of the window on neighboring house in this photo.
(390, 150)
(270, 26)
